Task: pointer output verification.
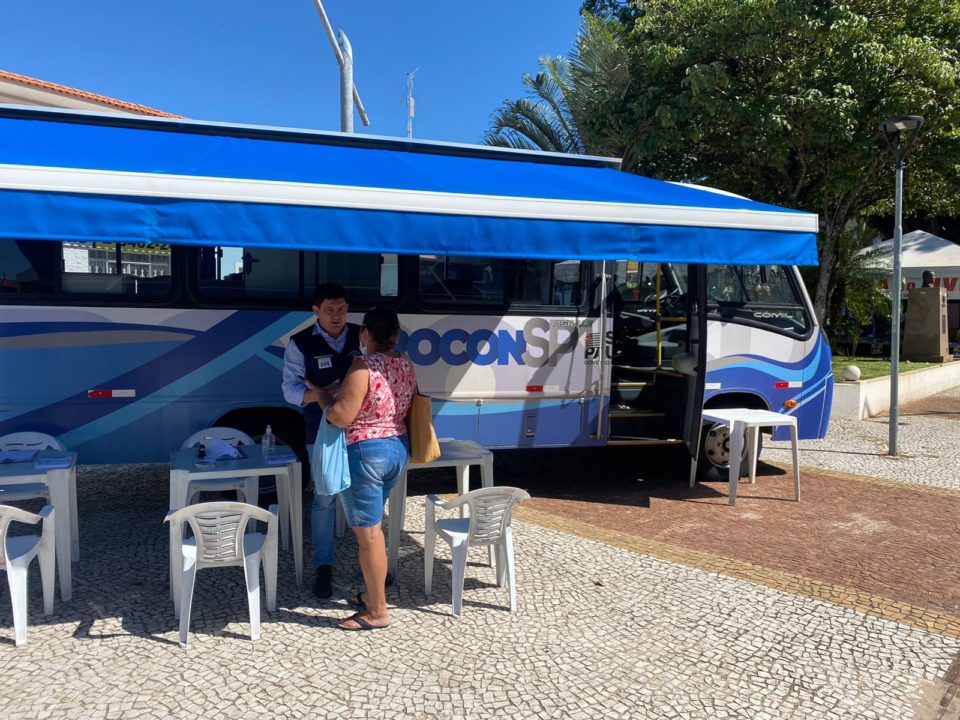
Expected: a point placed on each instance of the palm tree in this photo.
(568, 95)
(546, 123)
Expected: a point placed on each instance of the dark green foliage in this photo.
(778, 100)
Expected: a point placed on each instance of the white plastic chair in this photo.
(488, 524)
(227, 434)
(219, 540)
(16, 554)
(27, 441)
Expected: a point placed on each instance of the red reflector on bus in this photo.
(781, 385)
(534, 388)
(112, 393)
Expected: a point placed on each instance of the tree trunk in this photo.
(835, 221)
(828, 256)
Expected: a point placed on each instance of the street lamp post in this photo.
(900, 133)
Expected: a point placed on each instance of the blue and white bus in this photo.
(123, 348)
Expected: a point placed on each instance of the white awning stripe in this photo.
(106, 182)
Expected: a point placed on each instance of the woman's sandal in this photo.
(364, 624)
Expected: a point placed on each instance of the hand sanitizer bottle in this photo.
(267, 442)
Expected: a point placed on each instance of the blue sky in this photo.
(269, 61)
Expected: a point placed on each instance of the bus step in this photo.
(629, 422)
(630, 384)
(634, 413)
(626, 440)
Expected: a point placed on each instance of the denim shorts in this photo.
(375, 467)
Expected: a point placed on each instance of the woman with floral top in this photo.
(372, 404)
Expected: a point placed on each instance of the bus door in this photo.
(648, 314)
(693, 363)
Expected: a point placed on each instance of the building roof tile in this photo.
(83, 94)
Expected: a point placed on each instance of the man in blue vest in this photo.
(319, 357)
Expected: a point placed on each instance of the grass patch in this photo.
(872, 367)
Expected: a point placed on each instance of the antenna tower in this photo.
(410, 108)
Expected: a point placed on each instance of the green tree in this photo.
(543, 120)
(626, 11)
(858, 296)
(778, 100)
(565, 96)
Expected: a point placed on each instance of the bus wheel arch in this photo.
(713, 461)
(286, 423)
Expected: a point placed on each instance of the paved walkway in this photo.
(637, 599)
(928, 445)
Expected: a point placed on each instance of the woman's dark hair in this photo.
(383, 324)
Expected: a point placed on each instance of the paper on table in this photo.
(54, 462)
(8, 456)
(281, 459)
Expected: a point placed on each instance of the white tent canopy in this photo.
(924, 251)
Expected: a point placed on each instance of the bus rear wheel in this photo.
(714, 460)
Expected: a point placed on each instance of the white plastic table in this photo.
(459, 454)
(183, 469)
(63, 497)
(745, 424)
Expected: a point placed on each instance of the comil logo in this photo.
(537, 345)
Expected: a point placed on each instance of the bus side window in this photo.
(115, 268)
(761, 294)
(461, 279)
(242, 273)
(258, 274)
(269, 274)
(366, 276)
(547, 282)
(28, 266)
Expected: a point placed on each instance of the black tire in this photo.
(714, 460)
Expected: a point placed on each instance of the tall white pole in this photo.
(339, 56)
(895, 314)
(346, 84)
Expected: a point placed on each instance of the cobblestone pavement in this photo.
(928, 445)
(637, 599)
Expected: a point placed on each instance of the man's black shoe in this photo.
(323, 585)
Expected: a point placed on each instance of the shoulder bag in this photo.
(329, 466)
(424, 447)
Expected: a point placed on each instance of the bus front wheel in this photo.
(714, 460)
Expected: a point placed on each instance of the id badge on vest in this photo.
(324, 362)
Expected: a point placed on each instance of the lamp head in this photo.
(900, 132)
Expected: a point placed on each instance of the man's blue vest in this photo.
(323, 366)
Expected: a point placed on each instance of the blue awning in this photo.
(84, 176)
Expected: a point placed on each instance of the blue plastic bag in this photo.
(329, 466)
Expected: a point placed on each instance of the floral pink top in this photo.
(393, 383)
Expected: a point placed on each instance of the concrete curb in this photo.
(866, 398)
